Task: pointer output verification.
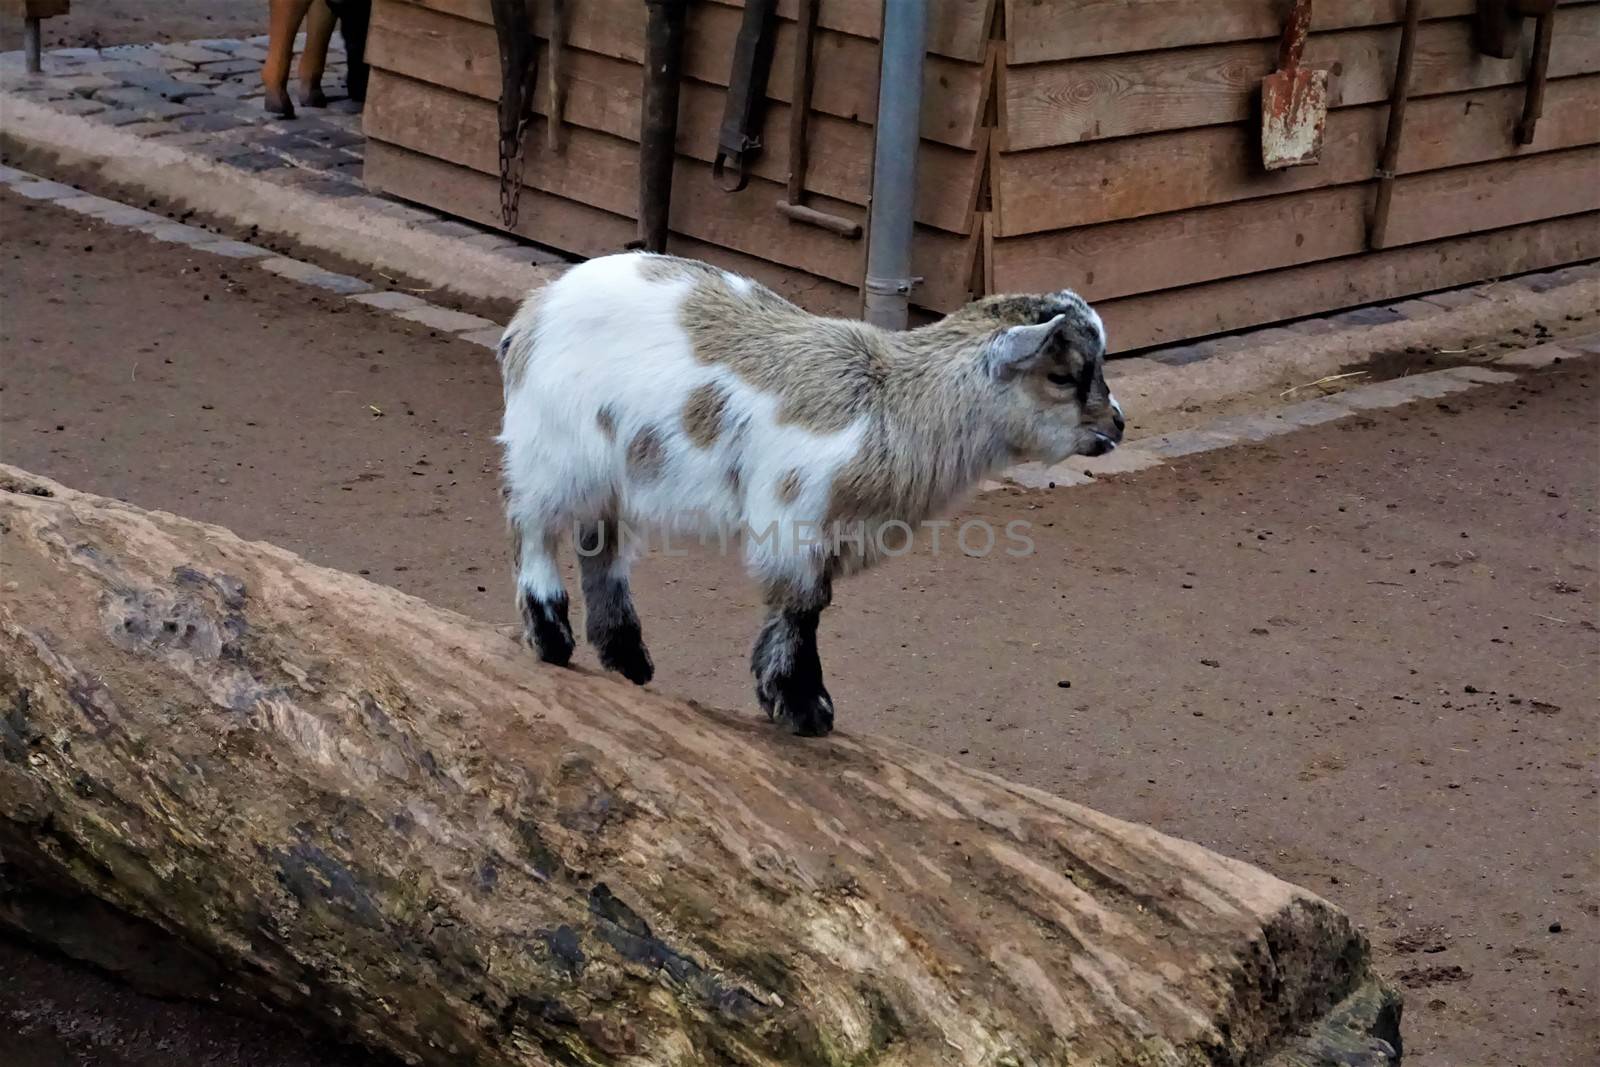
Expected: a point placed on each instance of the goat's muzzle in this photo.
(1100, 442)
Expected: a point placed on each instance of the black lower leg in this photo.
(786, 665)
(611, 624)
(353, 18)
(546, 626)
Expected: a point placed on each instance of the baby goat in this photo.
(645, 391)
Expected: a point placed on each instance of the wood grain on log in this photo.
(389, 817)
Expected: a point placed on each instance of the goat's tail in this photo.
(517, 344)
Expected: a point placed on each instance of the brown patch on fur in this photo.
(889, 477)
(789, 486)
(646, 455)
(735, 480)
(607, 421)
(702, 414)
(654, 268)
(865, 489)
(826, 373)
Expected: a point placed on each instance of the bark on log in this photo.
(388, 816)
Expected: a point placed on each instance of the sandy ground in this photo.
(1361, 656)
(95, 23)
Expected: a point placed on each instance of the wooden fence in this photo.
(1103, 145)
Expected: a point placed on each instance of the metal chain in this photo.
(511, 150)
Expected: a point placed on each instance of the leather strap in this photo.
(739, 139)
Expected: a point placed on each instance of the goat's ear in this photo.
(1015, 348)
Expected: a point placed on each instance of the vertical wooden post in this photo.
(31, 43)
(1378, 228)
(33, 13)
(1538, 72)
(658, 119)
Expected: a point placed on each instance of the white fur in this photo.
(603, 336)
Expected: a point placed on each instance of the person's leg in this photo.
(314, 60)
(283, 22)
(353, 18)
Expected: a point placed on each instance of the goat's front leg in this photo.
(787, 669)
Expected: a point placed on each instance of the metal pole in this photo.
(30, 44)
(894, 163)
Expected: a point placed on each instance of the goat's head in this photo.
(1048, 364)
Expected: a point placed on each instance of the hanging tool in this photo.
(552, 67)
(514, 33)
(1377, 231)
(1499, 34)
(1498, 28)
(739, 139)
(799, 122)
(658, 119)
(1538, 72)
(1294, 100)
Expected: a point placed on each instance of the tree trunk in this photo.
(389, 817)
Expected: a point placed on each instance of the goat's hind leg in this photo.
(541, 597)
(787, 668)
(610, 622)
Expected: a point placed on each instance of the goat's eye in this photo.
(1059, 379)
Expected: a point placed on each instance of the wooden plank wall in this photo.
(1109, 146)
(437, 77)
(1125, 161)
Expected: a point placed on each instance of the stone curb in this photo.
(469, 328)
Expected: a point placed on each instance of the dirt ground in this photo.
(96, 23)
(1362, 656)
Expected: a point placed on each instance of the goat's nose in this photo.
(1118, 421)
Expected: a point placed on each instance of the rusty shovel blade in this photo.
(1294, 110)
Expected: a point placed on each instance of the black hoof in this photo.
(625, 653)
(807, 709)
(547, 629)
